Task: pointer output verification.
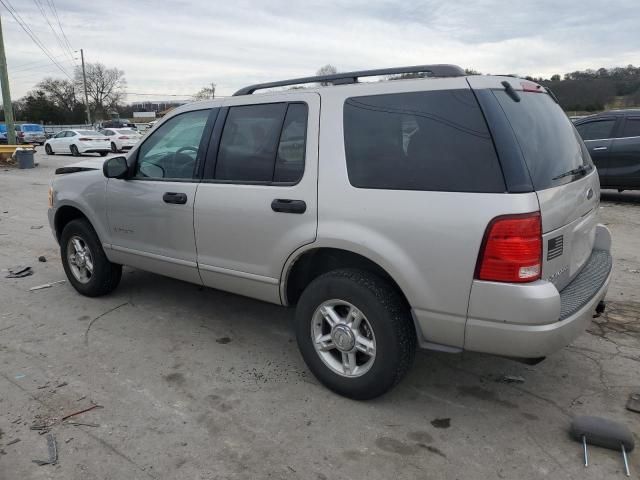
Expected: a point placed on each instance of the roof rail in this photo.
(440, 70)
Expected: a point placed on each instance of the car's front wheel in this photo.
(114, 148)
(48, 150)
(355, 333)
(84, 260)
(103, 154)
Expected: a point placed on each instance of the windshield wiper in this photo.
(581, 170)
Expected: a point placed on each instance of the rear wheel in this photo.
(47, 149)
(355, 333)
(84, 260)
(74, 151)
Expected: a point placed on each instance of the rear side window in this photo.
(597, 129)
(434, 140)
(263, 143)
(549, 143)
(631, 128)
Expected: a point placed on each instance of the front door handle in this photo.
(173, 197)
(599, 149)
(285, 205)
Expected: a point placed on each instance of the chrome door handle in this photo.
(599, 149)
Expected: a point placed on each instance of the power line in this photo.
(40, 66)
(16, 16)
(58, 39)
(53, 8)
(36, 62)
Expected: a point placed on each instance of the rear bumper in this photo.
(539, 319)
(94, 149)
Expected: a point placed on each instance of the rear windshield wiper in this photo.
(581, 170)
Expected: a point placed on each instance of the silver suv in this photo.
(447, 211)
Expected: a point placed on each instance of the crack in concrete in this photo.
(86, 333)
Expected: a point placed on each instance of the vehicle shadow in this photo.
(620, 197)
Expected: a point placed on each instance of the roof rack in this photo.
(439, 70)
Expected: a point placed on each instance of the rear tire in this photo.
(74, 151)
(84, 260)
(383, 343)
(47, 149)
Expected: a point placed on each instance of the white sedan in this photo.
(122, 138)
(77, 142)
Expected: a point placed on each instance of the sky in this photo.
(176, 47)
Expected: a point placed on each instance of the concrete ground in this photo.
(201, 384)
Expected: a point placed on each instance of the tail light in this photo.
(123, 138)
(84, 139)
(512, 249)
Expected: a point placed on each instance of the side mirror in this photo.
(115, 167)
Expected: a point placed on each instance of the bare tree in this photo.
(205, 93)
(105, 87)
(61, 92)
(328, 69)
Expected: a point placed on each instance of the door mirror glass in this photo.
(115, 167)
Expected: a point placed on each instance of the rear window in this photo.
(32, 128)
(548, 140)
(435, 140)
(631, 127)
(596, 129)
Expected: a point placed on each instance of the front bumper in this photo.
(534, 320)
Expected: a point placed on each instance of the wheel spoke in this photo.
(348, 362)
(330, 315)
(72, 259)
(325, 343)
(354, 317)
(77, 245)
(365, 345)
(88, 263)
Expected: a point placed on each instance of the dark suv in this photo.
(613, 140)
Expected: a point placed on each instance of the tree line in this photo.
(61, 101)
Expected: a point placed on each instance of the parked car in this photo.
(78, 142)
(613, 140)
(450, 212)
(3, 134)
(30, 133)
(121, 138)
(116, 124)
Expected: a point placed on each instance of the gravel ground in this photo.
(200, 384)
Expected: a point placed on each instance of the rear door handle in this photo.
(599, 149)
(174, 197)
(285, 205)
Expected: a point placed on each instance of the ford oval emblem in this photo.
(590, 194)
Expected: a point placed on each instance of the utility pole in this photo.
(6, 94)
(84, 80)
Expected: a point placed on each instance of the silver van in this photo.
(449, 212)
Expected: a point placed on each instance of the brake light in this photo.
(512, 249)
(84, 139)
(123, 138)
(531, 87)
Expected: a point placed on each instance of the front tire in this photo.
(114, 149)
(84, 260)
(48, 150)
(74, 151)
(355, 333)
(103, 154)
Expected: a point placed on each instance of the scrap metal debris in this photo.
(36, 227)
(633, 404)
(82, 424)
(42, 258)
(510, 379)
(46, 285)
(19, 272)
(53, 452)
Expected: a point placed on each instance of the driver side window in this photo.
(171, 151)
